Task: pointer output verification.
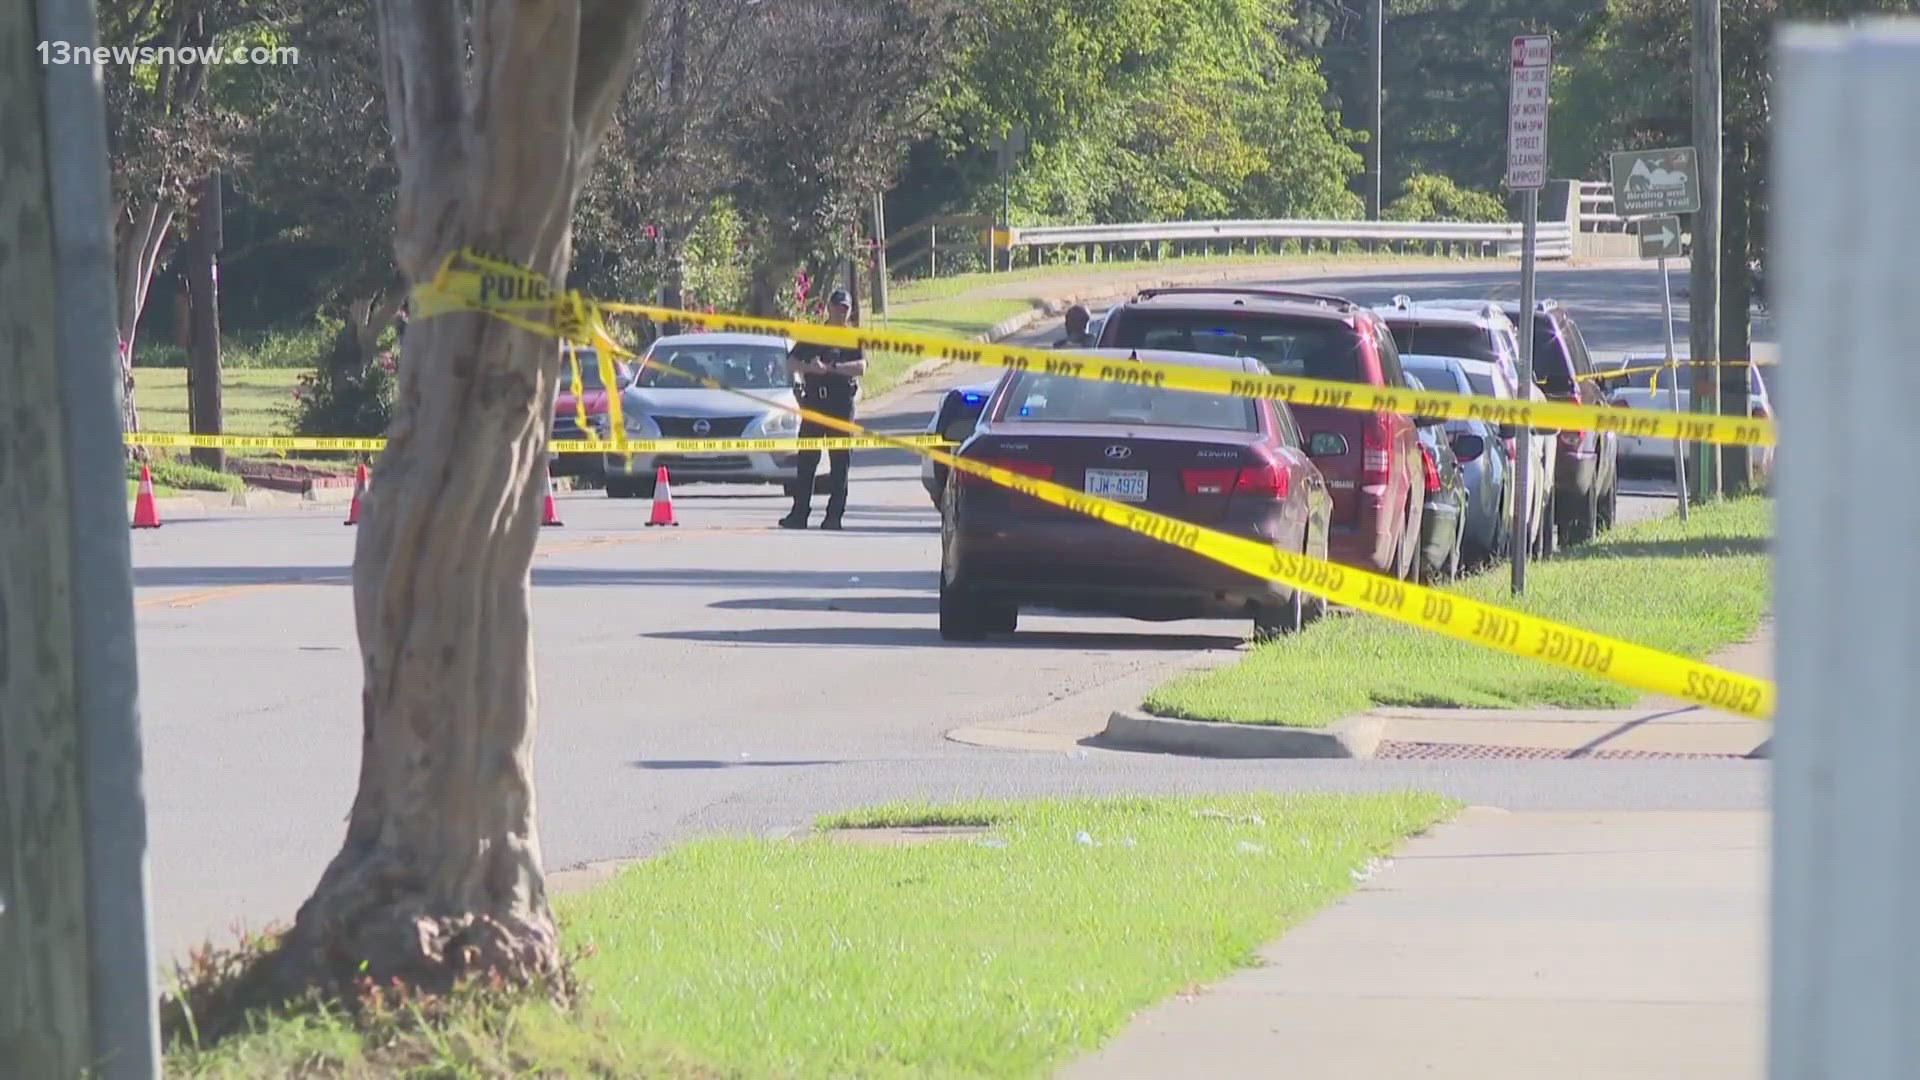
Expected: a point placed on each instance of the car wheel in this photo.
(999, 617)
(1610, 506)
(1578, 528)
(960, 616)
(1278, 620)
(619, 487)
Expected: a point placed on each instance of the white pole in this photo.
(1673, 385)
(1846, 833)
(1523, 476)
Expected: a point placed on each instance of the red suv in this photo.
(1371, 460)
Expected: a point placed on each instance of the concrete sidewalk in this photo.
(1569, 945)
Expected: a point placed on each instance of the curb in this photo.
(1354, 737)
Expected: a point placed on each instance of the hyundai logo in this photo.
(701, 427)
(1119, 452)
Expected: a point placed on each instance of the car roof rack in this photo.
(1340, 302)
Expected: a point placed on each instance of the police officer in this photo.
(1077, 337)
(829, 381)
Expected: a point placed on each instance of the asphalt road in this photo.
(724, 675)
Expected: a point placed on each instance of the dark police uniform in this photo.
(834, 396)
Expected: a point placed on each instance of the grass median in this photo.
(1683, 588)
(996, 953)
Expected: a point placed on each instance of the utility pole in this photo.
(1703, 298)
(1736, 302)
(1375, 49)
(203, 318)
(76, 964)
(674, 279)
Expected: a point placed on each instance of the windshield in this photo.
(1465, 342)
(1438, 376)
(1061, 399)
(737, 367)
(1310, 348)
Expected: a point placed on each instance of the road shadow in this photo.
(920, 637)
(672, 765)
(906, 604)
(1698, 547)
(165, 577)
(904, 580)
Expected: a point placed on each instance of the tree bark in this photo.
(440, 873)
(139, 238)
(203, 316)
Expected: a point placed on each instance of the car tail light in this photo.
(1433, 471)
(1039, 470)
(1376, 450)
(1208, 481)
(1572, 439)
(1267, 479)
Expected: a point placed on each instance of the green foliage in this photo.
(297, 346)
(169, 472)
(344, 399)
(1426, 197)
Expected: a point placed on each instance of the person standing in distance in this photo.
(1077, 337)
(829, 381)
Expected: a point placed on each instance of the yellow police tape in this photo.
(500, 289)
(1611, 373)
(1486, 625)
(172, 441)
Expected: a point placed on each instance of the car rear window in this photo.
(1443, 379)
(1466, 342)
(1307, 348)
(1033, 397)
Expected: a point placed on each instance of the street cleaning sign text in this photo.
(1527, 113)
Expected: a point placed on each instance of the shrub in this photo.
(345, 400)
(1429, 197)
(186, 476)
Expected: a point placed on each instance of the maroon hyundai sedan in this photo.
(1233, 464)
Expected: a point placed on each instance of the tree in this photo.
(496, 109)
(1425, 197)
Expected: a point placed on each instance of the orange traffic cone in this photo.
(359, 490)
(662, 500)
(549, 514)
(146, 512)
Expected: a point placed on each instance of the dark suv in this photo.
(1371, 460)
(1586, 470)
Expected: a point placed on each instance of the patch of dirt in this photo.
(902, 836)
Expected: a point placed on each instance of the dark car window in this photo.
(589, 362)
(1444, 378)
(1390, 370)
(1309, 348)
(1467, 342)
(1550, 364)
(1033, 397)
(1284, 426)
(1577, 347)
(740, 367)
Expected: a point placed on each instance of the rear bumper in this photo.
(1087, 565)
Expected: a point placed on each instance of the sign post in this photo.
(1532, 63)
(1660, 239)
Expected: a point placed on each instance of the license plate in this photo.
(1124, 485)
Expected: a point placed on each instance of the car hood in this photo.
(699, 401)
(595, 401)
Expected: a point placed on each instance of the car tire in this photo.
(1610, 506)
(619, 487)
(1272, 621)
(1579, 525)
(960, 615)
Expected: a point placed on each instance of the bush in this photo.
(1428, 197)
(291, 347)
(186, 476)
(344, 401)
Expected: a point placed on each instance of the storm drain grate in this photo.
(1460, 751)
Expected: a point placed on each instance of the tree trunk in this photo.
(440, 873)
(1736, 304)
(138, 238)
(203, 317)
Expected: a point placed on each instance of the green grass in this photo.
(960, 318)
(297, 347)
(253, 400)
(1000, 954)
(160, 491)
(1686, 589)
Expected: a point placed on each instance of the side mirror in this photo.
(1468, 446)
(1327, 444)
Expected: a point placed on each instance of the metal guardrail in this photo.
(1596, 208)
(1555, 239)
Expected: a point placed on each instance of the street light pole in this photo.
(1375, 49)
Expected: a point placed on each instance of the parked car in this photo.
(953, 421)
(671, 402)
(1484, 452)
(1651, 390)
(1371, 459)
(1443, 518)
(592, 400)
(1468, 330)
(1586, 468)
(1096, 324)
(1238, 465)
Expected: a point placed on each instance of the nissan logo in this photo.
(1119, 452)
(701, 427)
